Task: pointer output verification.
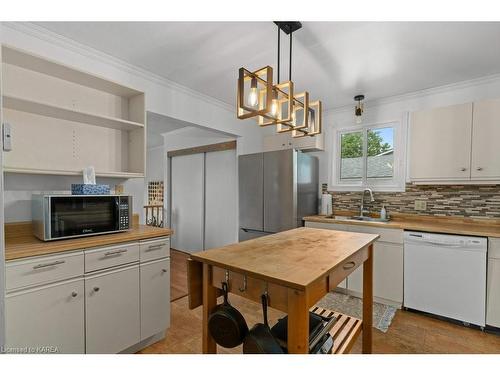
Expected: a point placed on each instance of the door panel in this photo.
(155, 297)
(112, 311)
(49, 316)
(280, 209)
(221, 220)
(187, 207)
(251, 194)
(440, 142)
(485, 136)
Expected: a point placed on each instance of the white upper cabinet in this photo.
(440, 144)
(485, 136)
(284, 141)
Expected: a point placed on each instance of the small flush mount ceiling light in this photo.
(277, 104)
(358, 110)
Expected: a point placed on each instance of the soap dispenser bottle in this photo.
(383, 213)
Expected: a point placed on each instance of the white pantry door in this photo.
(221, 199)
(187, 202)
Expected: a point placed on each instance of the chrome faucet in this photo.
(362, 210)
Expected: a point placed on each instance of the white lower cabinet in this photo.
(387, 273)
(387, 262)
(112, 310)
(493, 284)
(47, 319)
(155, 297)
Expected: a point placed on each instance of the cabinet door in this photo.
(440, 143)
(387, 273)
(50, 317)
(112, 310)
(316, 143)
(155, 297)
(485, 136)
(493, 295)
(275, 142)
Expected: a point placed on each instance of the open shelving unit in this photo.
(63, 119)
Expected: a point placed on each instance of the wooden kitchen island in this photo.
(296, 268)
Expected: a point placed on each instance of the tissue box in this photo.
(88, 189)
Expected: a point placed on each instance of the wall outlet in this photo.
(420, 205)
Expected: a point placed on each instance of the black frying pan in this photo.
(260, 340)
(226, 324)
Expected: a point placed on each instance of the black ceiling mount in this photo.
(288, 26)
(359, 98)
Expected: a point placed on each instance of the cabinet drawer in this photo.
(42, 270)
(155, 249)
(106, 257)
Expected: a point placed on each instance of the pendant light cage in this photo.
(278, 104)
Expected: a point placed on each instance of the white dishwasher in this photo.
(446, 275)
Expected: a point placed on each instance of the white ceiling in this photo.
(332, 60)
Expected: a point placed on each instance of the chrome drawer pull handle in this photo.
(349, 265)
(116, 252)
(43, 265)
(155, 247)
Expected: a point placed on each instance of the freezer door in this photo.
(249, 234)
(307, 186)
(251, 203)
(280, 190)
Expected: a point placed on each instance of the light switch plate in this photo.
(420, 205)
(6, 136)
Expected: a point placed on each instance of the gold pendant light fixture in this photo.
(278, 104)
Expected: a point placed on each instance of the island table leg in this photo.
(209, 302)
(298, 322)
(368, 302)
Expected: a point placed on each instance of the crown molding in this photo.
(92, 53)
(493, 78)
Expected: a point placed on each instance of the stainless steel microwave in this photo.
(57, 217)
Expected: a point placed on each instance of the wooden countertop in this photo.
(464, 226)
(21, 243)
(294, 258)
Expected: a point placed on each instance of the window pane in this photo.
(380, 161)
(351, 154)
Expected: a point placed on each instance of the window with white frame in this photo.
(368, 156)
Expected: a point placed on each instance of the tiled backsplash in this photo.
(481, 201)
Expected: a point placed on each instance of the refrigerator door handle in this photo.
(247, 230)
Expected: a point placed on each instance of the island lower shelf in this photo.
(344, 332)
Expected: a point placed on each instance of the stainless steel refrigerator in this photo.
(276, 189)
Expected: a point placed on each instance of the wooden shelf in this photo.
(14, 56)
(57, 172)
(48, 110)
(344, 332)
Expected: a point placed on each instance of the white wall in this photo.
(395, 108)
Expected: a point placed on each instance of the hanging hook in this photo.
(244, 288)
(227, 277)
